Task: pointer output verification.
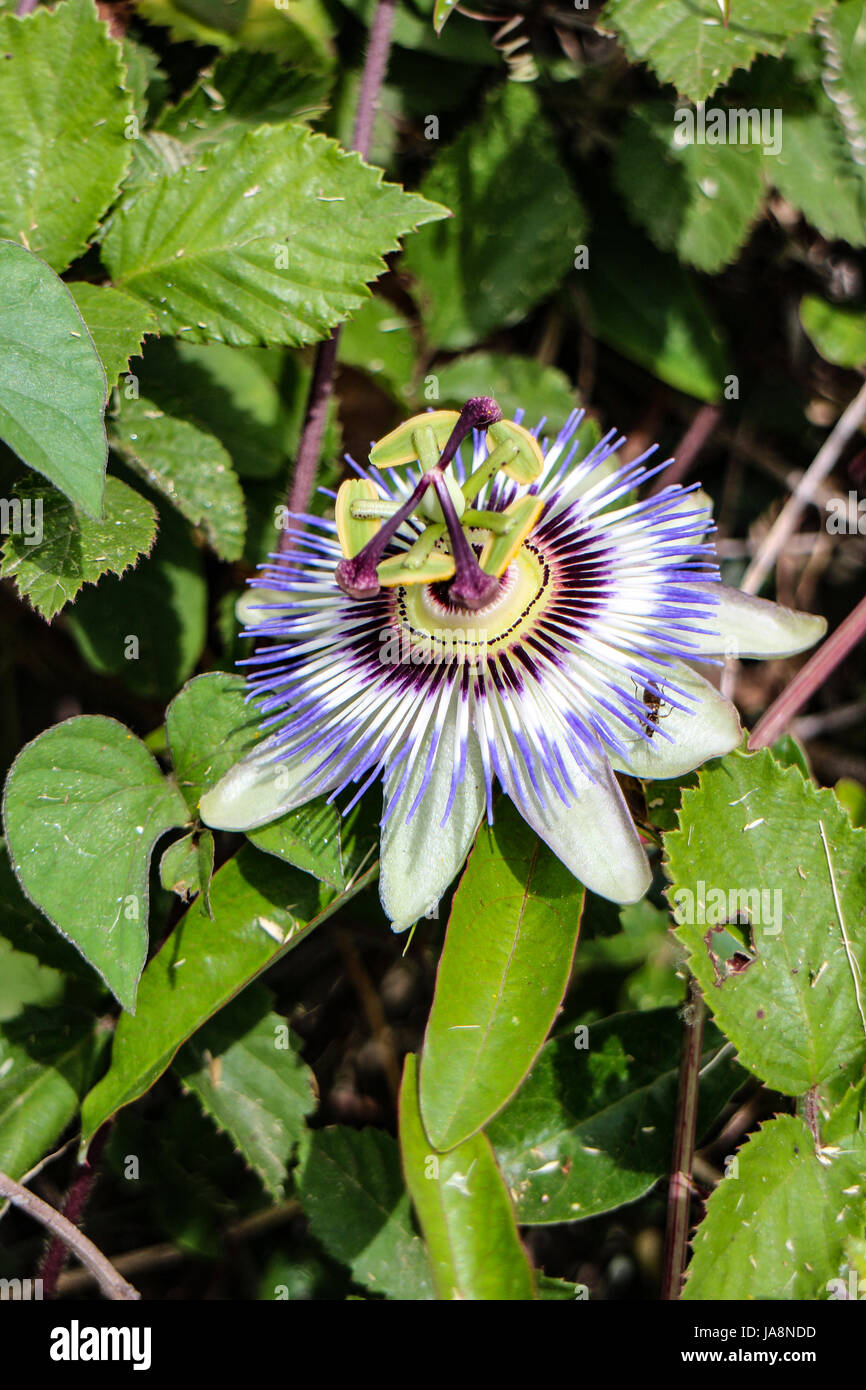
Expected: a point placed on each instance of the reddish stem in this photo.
(77, 1197)
(810, 678)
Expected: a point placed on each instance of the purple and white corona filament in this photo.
(539, 668)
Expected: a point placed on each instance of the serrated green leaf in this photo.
(503, 972)
(516, 221)
(48, 1058)
(815, 172)
(63, 145)
(464, 1211)
(698, 200)
(271, 238)
(246, 1071)
(776, 1226)
(261, 910)
(148, 627)
(837, 331)
(189, 467)
(243, 90)
(83, 806)
(351, 1189)
(758, 841)
(687, 43)
(73, 550)
(590, 1129)
(52, 386)
(116, 322)
(300, 33)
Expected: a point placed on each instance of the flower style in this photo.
(523, 621)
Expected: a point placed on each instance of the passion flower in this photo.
(519, 619)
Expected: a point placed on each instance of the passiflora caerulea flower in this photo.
(517, 618)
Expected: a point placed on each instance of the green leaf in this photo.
(815, 172)
(776, 1226)
(351, 1189)
(757, 841)
(687, 43)
(504, 969)
(209, 727)
(179, 867)
(48, 1058)
(698, 200)
(252, 399)
(248, 1076)
(309, 838)
(644, 304)
(300, 34)
(590, 1129)
(243, 90)
(516, 383)
(63, 145)
(464, 1211)
(73, 550)
(261, 910)
(83, 807)
(116, 322)
(29, 933)
(189, 467)
(516, 221)
(838, 332)
(378, 340)
(149, 627)
(52, 386)
(24, 980)
(271, 238)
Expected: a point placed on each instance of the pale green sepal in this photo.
(256, 791)
(754, 627)
(709, 731)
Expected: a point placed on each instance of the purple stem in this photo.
(472, 588)
(322, 384)
(77, 1198)
(811, 678)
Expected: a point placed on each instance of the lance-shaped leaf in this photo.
(261, 909)
(270, 239)
(83, 807)
(464, 1211)
(503, 972)
(352, 1191)
(245, 1070)
(776, 1227)
(769, 890)
(63, 143)
(52, 386)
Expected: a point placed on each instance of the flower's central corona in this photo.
(518, 618)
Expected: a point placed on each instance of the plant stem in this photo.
(110, 1282)
(322, 384)
(77, 1197)
(680, 1184)
(810, 678)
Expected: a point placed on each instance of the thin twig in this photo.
(680, 1185)
(789, 518)
(810, 678)
(110, 1282)
(322, 383)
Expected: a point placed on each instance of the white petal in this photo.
(420, 859)
(755, 627)
(710, 731)
(594, 837)
(255, 791)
